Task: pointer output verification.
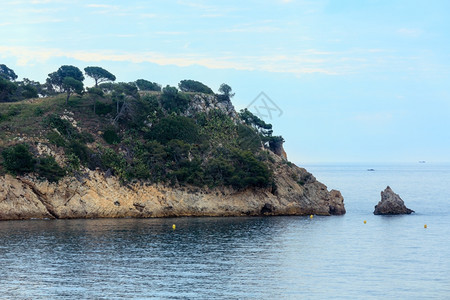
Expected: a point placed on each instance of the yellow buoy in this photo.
(425, 226)
(365, 221)
(311, 216)
(174, 226)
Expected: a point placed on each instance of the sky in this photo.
(340, 80)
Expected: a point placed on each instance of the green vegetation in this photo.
(18, 160)
(119, 128)
(194, 87)
(55, 80)
(99, 75)
(7, 90)
(6, 73)
(110, 136)
(173, 101)
(145, 85)
(175, 128)
(225, 92)
(12, 90)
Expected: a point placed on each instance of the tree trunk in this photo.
(67, 99)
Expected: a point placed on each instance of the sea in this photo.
(354, 256)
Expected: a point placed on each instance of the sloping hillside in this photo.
(170, 153)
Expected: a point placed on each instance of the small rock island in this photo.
(391, 204)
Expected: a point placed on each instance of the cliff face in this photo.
(96, 193)
(97, 196)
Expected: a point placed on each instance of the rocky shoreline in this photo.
(95, 195)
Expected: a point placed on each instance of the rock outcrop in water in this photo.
(391, 204)
(98, 196)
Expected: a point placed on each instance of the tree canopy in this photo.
(55, 80)
(194, 86)
(7, 73)
(71, 85)
(7, 89)
(145, 85)
(99, 75)
(225, 89)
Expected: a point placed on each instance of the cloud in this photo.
(308, 61)
(28, 56)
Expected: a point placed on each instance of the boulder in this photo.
(391, 204)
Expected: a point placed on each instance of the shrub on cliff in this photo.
(176, 127)
(145, 85)
(18, 159)
(249, 171)
(194, 86)
(173, 101)
(48, 168)
(64, 127)
(110, 136)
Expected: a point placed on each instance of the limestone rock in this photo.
(391, 204)
(294, 192)
(207, 103)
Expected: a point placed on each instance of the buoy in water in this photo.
(311, 216)
(365, 222)
(174, 226)
(425, 226)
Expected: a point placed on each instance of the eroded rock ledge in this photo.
(94, 195)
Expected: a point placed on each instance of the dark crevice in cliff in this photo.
(41, 197)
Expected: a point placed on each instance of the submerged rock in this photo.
(391, 204)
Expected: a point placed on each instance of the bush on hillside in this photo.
(110, 136)
(176, 127)
(194, 86)
(145, 85)
(48, 168)
(173, 101)
(18, 159)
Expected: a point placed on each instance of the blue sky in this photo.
(356, 80)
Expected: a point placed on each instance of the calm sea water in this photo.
(247, 258)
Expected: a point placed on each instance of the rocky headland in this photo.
(95, 195)
(141, 154)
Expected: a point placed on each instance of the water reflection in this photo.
(78, 258)
(232, 258)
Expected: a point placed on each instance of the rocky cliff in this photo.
(95, 195)
(250, 177)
